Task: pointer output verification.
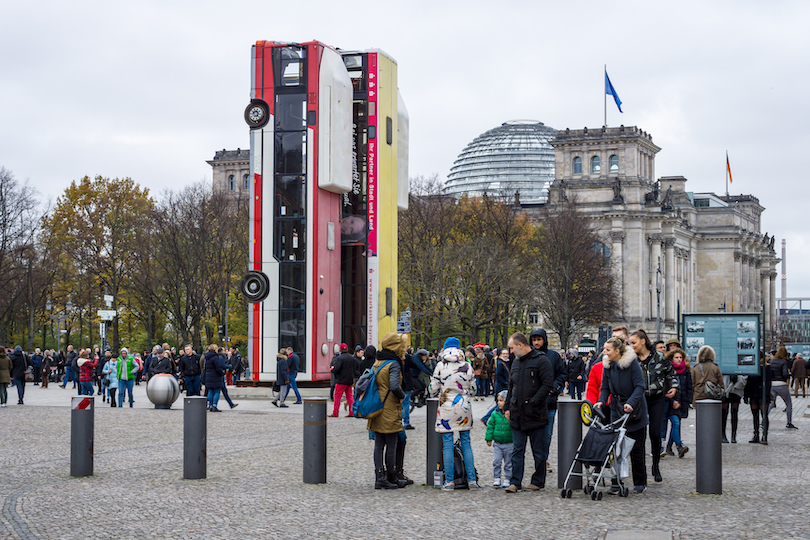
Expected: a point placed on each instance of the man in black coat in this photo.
(294, 363)
(539, 341)
(531, 381)
(345, 371)
(19, 365)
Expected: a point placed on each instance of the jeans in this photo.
(123, 388)
(19, 382)
(503, 453)
(406, 409)
(340, 389)
(466, 451)
(3, 393)
(69, 376)
(576, 386)
(213, 397)
(226, 396)
(193, 385)
(86, 388)
(675, 432)
(535, 437)
(549, 431)
(294, 386)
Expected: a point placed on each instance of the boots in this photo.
(657, 473)
(396, 482)
(382, 482)
(682, 450)
(735, 420)
(765, 425)
(756, 427)
(402, 476)
(668, 451)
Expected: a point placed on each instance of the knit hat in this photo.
(452, 342)
(502, 394)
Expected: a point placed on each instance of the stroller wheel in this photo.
(625, 491)
(569, 493)
(593, 495)
(562, 493)
(599, 496)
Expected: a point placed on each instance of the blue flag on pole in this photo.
(609, 90)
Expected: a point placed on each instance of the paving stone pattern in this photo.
(254, 487)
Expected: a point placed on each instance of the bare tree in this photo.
(574, 285)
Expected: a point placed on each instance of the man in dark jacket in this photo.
(345, 370)
(161, 362)
(190, 370)
(293, 362)
(19, 364)
(540, 343)
(531, 381)
(70, 367)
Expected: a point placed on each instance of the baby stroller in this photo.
(604, 454)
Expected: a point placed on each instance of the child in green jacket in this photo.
(500, 432)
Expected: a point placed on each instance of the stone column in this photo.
(655, 250)
(744, 282)
(772, 301)
(669, 283)
(736, 284)
(617, 266)
(765, 290)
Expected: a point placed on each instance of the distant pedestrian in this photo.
(110, 371)
(45, 368)
(344, 369)
(190, 370)
(282, 379)
(779, 383)
(5, 376)
(293, 365)
(126, 371)
(87, 368)
(214, 377)
(19, 364)
(799, 372)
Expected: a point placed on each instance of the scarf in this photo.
(679, 368)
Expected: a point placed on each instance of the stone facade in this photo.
(711, 251)
(231, 171)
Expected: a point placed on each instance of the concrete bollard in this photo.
(709, 446)
(195, 437)
(82, 426)
(315, 440)
(433, 446)
(569, 437)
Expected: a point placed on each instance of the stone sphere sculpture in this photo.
(163, 390)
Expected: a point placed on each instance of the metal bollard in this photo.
(195, 437)
(709, 451)
(434, 444)
(81, 435)
(569, 437)
(315, 440)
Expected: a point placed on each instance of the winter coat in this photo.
(454, 382)
(214, 371)
(481, 366)
(161, 364)
(5, 368)
(779, 370)
(734, 384)
(109, 369)
(799, 370)
(344, 368)
(711, 372)
(87, 369)
(659, 375)
(576, 368)
(498, 428)
(293, 364)
(282, 369)
(594, 387)
(126, 369)
(529, 387)
(684, 394)
(502, 375)
(557, 364)
(190, 365)
(624, 382)
(389, 381)
(19, 363)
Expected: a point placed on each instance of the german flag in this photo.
(728, 169)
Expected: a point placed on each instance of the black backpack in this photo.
(460, 471)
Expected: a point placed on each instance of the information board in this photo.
(735, 338)
(803, 348)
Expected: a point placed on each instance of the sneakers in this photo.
(275, 403)
(448, 486)
(791, 426)
(512, 489)
(235, 405)
(532, 487)
(473, 486)
(283, 406)
(409, 427)
(639, 489)
(496, 483)
(214, 409)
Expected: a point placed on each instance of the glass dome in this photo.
(515, 156)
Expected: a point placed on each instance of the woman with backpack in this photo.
(454, 382)
(386, 427)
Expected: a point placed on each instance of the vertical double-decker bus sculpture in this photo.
(300, 159)
(329, 167)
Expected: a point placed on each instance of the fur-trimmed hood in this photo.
(625, 360)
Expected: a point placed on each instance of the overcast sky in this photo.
(151, 90)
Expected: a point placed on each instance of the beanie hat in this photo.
(452, 342)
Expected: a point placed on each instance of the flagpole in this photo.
(604, 92)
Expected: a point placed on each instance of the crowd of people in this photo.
(93, 372)
(654, 383)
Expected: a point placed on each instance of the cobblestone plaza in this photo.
(254, 487)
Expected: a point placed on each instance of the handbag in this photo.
(710, 389)
(105, 381)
